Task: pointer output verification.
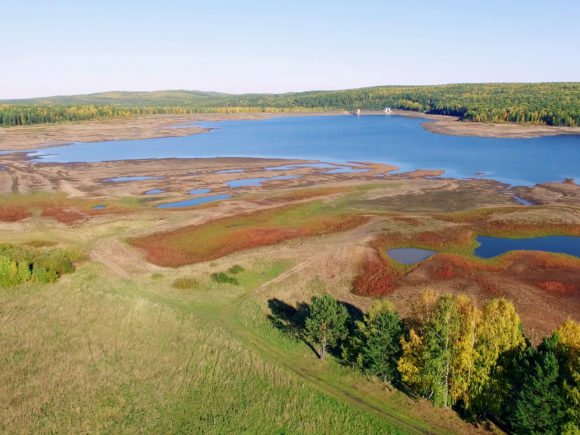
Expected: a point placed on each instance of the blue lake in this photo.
(396, 140)
(194, 201)
(494, 246)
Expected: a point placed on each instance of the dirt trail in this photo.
(119, 258)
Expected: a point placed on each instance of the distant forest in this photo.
(555, 104)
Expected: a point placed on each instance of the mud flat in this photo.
(454, 127)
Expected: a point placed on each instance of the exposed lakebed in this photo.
(395, 140)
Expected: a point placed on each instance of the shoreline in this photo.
(24, 138)
(453, 126)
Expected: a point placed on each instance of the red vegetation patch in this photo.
(13, 213)
(436, 240)
(376, 278)
(193, 244)
(65, 215)
(554, 273)
(558, 287)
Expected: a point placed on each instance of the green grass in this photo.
(98, 354)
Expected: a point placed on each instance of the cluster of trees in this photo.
(535, 103)
(477, 361)
(20, 264)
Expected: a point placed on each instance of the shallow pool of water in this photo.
(154, 192)
(194, 201)
(99, 207)
(199, 191)
(410, 255)
(230, 171)
(301, 165)
(346, 170)
(493, 246)
(258, 181)
(127, 179)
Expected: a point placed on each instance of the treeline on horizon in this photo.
(475, 360)
(555, 104)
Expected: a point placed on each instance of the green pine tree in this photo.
(326, 323)
(539, 404)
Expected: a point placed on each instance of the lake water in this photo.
(410, 255)
(339, 139)
(494, 246)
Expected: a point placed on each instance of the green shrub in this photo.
(235, 269)
(156, 276)
(22, 263)
(224, 278)
(185, 283)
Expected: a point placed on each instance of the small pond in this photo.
(199, 191)
(194, 201)
(410, 255)
(154, 192)
(493, 246)
(523, 201)
(126, 179)
(258, 181)
(99, 207)
(301, 165)
(346, 170)
(229, 171)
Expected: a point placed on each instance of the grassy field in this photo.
(97, 354)
(125, 346)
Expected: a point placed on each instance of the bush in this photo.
(23, 263)
(185, 283)
(224, 278)
(235, 269)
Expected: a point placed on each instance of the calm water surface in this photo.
(410, 255)
(494, 246)
(199, 191)
(127, 179)
(243, 182)
(154, 192)
(338, 139)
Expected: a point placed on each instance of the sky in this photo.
(64, 47)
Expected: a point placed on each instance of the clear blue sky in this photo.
(80, 46)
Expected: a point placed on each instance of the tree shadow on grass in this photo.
(291, 320)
